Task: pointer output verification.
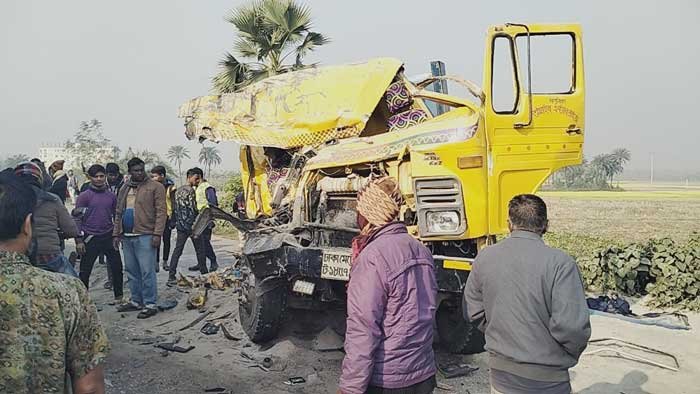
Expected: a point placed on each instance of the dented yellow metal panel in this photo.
(300, 108)
(457, 125)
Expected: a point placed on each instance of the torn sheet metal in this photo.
(457, 125)
(304, 107)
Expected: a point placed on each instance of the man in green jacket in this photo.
(139, 223)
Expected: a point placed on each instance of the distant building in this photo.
(48, 154)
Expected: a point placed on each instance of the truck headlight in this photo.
(442, 221)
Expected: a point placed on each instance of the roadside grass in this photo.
(636, 214)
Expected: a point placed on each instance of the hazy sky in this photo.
(131, 64)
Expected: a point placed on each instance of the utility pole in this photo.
(651, 176)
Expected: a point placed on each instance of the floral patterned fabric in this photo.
(48, 328)
(397, 97)
(406, 119)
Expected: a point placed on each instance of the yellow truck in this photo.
(311, 139)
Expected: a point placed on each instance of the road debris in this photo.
(450, 371)
(227, 334)
(197, 300)
(445, 387)
(210, 329)
(215, 390)
(295, 381)
(267, 362)
(328, 340)
(221, 279)
(613, 345)
(171, 347)
(197, 320)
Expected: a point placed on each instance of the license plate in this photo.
(335, 265)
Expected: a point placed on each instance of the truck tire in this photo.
(456, 334)
(261, 306)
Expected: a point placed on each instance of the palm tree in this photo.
(619, 158)
(175, 154)
(209, 157)
(269, 31)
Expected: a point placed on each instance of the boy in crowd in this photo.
(94, 212)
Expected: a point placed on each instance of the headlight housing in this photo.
(440, 207)
(442, 222)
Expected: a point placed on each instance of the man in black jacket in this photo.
(529, 300)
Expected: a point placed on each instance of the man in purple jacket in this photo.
(392, 297)
(94, 213)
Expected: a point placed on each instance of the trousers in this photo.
(140, 261)
(95, 247)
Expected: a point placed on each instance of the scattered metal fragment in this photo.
(164, 323)
(174, 348)
(259, 366)
(228, 335)
(245, 355)
(197, 320)
(215, 390)
(225, 315)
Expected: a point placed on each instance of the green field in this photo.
(635, 214)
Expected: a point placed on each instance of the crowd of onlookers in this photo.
(526, 297)
(46, 313)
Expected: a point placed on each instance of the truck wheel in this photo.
(456, 334)
(261, 305)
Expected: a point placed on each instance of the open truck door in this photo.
(533, 109)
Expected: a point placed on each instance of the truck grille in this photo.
(438, 195)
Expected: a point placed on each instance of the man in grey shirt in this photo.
(529, 300)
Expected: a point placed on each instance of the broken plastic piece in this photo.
(228, 335)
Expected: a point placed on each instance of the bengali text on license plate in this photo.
(335, 266)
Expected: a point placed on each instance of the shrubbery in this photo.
(667, 271)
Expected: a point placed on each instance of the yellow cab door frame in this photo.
(531, 132)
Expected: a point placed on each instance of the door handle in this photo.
(573, 130)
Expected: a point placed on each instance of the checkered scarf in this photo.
(379, 202)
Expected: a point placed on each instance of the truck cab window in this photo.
(553, 63)
(504, 84)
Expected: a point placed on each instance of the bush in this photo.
(668, 272)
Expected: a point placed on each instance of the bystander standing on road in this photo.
(185, 212)
(138, 226)
(158, 174)
(52, 223)
(46, 178)
(206, 196)
(529, 300)
(94, 212)
(73, 189)
(392, 298)
(59, 183)
(51, 336)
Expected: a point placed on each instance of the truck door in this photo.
(533, 110)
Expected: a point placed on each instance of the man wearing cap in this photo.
(52, 223)
(392, 297)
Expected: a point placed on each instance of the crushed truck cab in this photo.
(311, 139)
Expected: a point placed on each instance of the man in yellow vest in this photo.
(158, 174)
(205, 195)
